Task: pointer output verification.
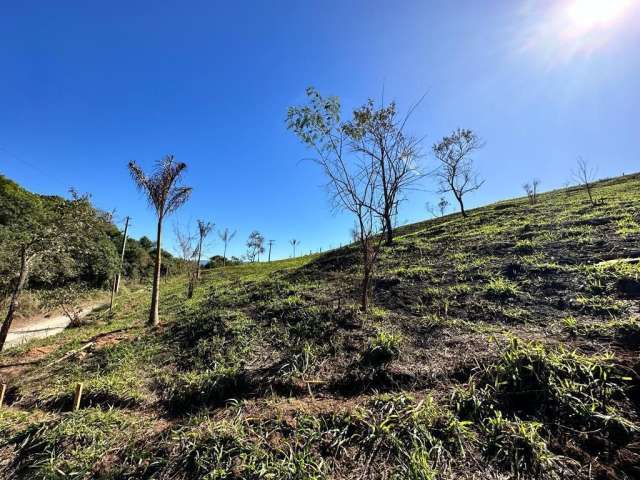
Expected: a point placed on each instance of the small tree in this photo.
(443, 204)
(187, 242)
(165, 195)
(456, 172)
(255, 246)
(378, 133)
(353, 182)
(204, 228)
(531, 190)
(226, 236)
(68, 299)
(294, 243)
(585, 176)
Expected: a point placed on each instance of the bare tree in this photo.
(353, 182)
(294, 243)
(378, 133)
(165, 195)
(531, 190)
(255, 246)
(585, 176)
(456, 172)
(226, 236)
(204, 228)
(187, 242)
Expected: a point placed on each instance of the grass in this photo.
(477, 360)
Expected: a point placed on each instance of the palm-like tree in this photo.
(226, 236)
(165, 195)
(294, 243)
(204, 228)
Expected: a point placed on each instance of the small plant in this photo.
(600, 305)
(501, 288)
(517, 446)
(525, 247)
(383, 348)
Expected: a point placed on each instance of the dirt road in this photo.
(41, 327)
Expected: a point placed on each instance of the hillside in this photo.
(500, 345)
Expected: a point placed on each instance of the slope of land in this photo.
(500, 345)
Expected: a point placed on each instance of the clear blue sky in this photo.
(87, 86)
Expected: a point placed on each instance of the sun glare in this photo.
(587, 15)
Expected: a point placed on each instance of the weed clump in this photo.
(382, 349)
(186, 391)
(500, 288)
(517, 446)
(530, 381)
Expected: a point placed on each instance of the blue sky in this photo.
(87, 86)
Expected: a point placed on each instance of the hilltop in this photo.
(500, 345)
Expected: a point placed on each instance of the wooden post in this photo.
(77, 397)
(3, 390)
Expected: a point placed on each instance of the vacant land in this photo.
(501, 345)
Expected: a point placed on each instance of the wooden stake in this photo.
(3, 390)
(77, 397)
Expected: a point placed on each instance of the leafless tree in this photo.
(188, 245)
(255, 246)
(165, 196)
(226, 236)
(531, 190)
(294, 243)
(353, 181)
(378, 133)
(204, 228)
(585, 176)
(456, 173)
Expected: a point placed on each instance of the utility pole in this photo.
(271, 242)
(116, 280)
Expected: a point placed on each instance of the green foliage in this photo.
(72, 446)
(517, 446)
(185, 391)
(525, 247)
(501, 288)
(530, 380)
(383, 348)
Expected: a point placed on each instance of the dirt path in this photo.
(40, 327)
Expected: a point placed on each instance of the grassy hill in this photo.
(501, 345)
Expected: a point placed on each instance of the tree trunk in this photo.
(154, 317)
(22, 279)
(462, 210)
(199, 257)
(224, 255)
(388, 229)
(366, 277)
